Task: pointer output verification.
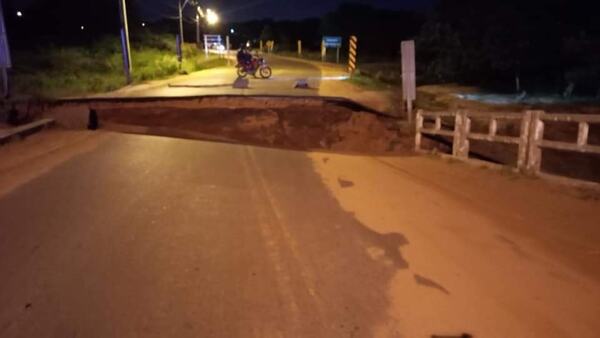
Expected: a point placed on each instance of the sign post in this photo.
(409, 83)
(5, 61)
(331, 42)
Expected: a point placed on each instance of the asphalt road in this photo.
(157, 237)
(114, 235)
(219, 81)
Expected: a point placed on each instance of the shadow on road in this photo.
(349, 264)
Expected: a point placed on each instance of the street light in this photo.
(181, 7)
(19, 14)
(211, 17)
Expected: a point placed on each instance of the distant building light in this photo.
(82, 27)
(232, 31)
(143, 24)
(19, 14)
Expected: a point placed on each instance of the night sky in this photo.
(242, 10)
(238, 10)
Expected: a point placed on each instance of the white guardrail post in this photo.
(582, 135)
(462, 127)
(536, 136)
(419, 126)
(524, 141)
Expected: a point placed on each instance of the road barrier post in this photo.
(352, 56)
(300, 48)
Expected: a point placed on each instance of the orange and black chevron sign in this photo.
(352, 56)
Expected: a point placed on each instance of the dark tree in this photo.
(546, 44)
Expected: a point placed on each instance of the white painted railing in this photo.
(531, 140)
(537, 141)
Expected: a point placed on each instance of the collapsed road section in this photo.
(283, 122)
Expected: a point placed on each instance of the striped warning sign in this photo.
(352, 56)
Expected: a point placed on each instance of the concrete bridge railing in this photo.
(530, 141)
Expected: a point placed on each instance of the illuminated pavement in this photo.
(218, 81)
(110, 235)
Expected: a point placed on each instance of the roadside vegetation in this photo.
(50, 72)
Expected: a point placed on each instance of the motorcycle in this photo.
(256, 65)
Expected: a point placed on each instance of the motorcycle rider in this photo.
(244, 57)
(250, 64)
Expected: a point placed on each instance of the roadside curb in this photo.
(23, 131)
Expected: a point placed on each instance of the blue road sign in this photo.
(332, 41)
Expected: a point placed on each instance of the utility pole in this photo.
(5, 61)
(198, 31)
(125, 41)
(181, 21)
